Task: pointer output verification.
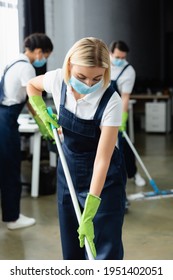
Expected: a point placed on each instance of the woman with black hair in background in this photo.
(37, 48)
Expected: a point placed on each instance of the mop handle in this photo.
(136, 155)
(69, 181)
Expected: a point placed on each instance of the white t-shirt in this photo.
(126, 81)
(16, 80)
(85, 107)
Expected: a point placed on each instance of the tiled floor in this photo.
(148, 227)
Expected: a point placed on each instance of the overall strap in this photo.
(122, 71)
(3, 77)
(8, 67)
(103, 103)
(63, 93)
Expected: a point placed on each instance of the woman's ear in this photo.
(69, 67)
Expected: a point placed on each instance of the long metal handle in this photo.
(69, 182)
(152, 182)
(136, 155)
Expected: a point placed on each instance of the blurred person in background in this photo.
(37, 48)
(122, 79)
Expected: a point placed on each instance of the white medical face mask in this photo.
(82, 88)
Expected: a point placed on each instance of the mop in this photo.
(156, 193)
(69, 182)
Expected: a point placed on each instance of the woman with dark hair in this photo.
(37, 48)
(122, 79)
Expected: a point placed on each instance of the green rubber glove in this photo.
(39, 106)
(42, 128)
(86, 227)
(124, 121)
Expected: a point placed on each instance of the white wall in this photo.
(21, 23)
(135, 22)
(69, 20)
(59, 22)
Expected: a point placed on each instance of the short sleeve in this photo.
(113, 112)
(27, 72)
(128, 80)
(52, 83)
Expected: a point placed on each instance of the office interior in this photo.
(147, 27)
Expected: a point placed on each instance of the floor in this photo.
(148, 227)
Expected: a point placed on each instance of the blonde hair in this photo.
(89, 52)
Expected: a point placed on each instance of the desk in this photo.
(149, 105)
(149, 97)
(28, 125)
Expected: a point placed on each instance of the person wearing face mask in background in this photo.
(37, 48)
(122, 79)
(89, 113)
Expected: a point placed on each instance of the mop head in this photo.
(150, 195)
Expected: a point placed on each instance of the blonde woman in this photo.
(89, 112)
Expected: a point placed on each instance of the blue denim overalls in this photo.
(10, 159)
(80, 145)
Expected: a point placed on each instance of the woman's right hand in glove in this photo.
(39, 106)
